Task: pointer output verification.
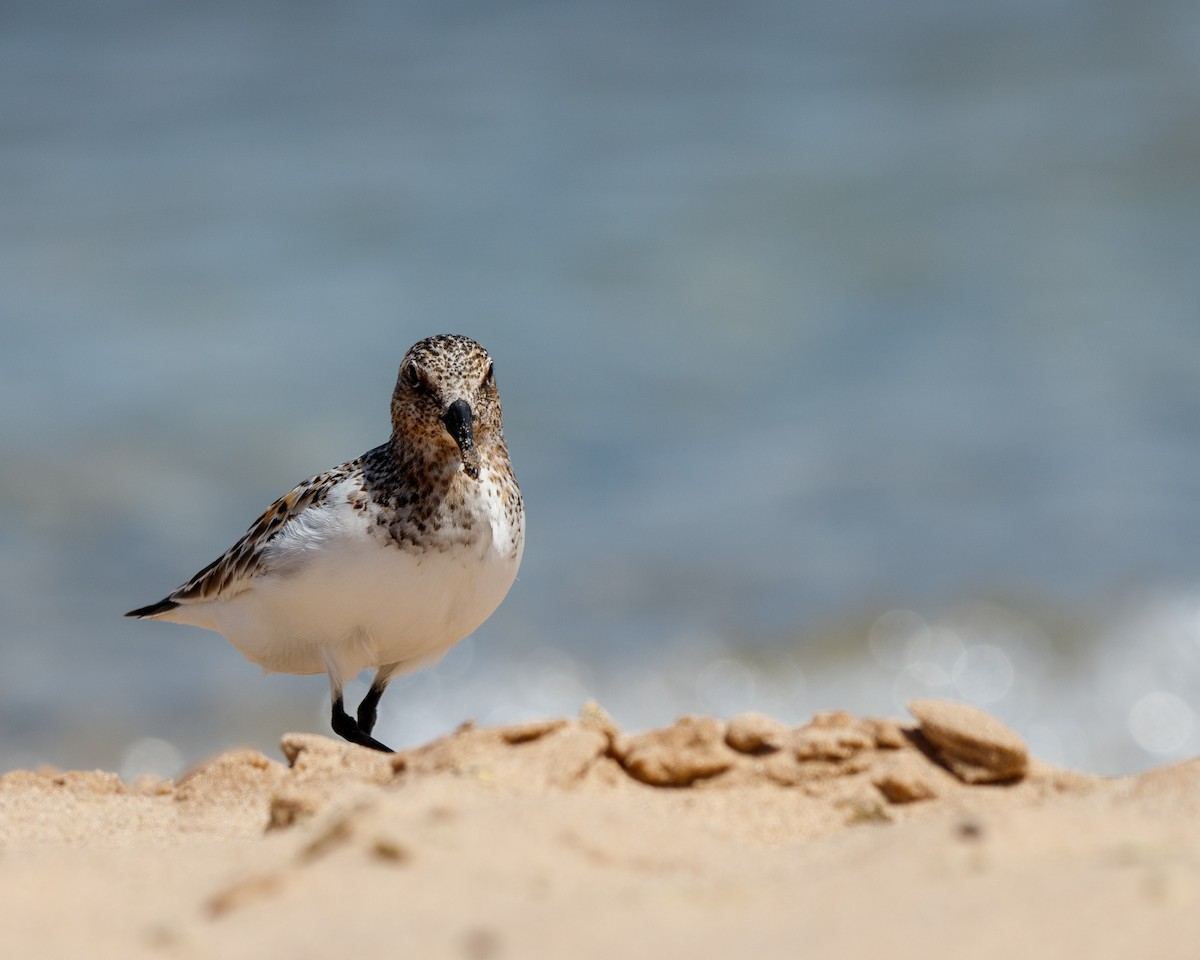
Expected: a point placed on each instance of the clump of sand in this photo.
(845, 837)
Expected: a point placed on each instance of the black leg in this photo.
(369, 707)
(347, 729)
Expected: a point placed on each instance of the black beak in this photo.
(458, 419)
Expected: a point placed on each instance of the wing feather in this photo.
(232, 572)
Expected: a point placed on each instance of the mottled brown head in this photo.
(446, 401)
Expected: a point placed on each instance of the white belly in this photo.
(336, 597)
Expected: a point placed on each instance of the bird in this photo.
(385, 561)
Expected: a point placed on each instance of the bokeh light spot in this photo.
(983, 673)
(726, 687)
(1161, 722)
(150, 756)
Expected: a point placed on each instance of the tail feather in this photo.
(154, 610)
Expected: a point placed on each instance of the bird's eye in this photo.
(411, 376)
(490, 376)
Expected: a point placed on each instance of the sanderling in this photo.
(386, 561)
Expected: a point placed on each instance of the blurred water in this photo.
(849, 352)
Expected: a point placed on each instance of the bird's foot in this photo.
(348, 728)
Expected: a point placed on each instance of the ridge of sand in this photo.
(570, 838)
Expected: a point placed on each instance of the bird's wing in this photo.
(233, 571)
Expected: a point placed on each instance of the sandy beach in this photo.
(846, 837)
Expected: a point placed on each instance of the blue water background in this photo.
(849, 352)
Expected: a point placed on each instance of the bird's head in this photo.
(446, 398)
